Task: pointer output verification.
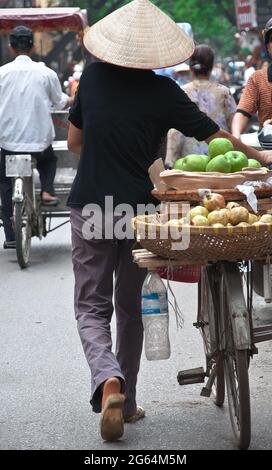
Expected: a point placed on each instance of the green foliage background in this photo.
(213, 21)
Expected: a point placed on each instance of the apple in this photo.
(238, 214)
(252, 218)
(256, 224)
(200, 220)
(214, 201)
(218, 225)
(178, 164)
(266, 219)
(173, 223)
(198, 210)
(252, 163)
(231, 205)
(207, 158)
(192, 163)
(219, 163)
(218, 217)
(219, 146)
(238, 160)
(243, 224)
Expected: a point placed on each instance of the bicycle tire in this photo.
(206, 307)
(236, 364)
(22, 233)
(237, 381)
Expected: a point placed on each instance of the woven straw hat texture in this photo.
(139, 35)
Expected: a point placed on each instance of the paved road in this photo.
(45, 379)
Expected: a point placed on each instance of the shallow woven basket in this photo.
(206, 243)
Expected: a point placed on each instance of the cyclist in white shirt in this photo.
(28, 91)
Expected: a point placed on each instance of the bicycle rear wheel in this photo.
(22, 227)
(208, 326)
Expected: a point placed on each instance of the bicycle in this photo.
(230, 327)
(225, 322)
(30, 217)
(225, 310)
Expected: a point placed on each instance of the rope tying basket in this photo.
(204, 243)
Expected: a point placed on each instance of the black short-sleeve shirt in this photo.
(124, 114)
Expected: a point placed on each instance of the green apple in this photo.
(252, 163)
(178, 164)
(192, 163)
(207, 158)
(219, 163)
(219, 146)
(238, 160)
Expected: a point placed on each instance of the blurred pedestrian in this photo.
(211, 97)
(249, 68)
(182, 74)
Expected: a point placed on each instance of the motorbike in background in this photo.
(260, 139)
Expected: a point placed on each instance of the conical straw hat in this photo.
(139, 35)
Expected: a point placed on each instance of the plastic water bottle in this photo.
(155, 318)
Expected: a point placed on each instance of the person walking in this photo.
(257, 94)
(28, 91)
(211, 97)
(121, 112)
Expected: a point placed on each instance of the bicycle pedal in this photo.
(191, 376)
(205, 392)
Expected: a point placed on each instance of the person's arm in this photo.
(189, 120)
(175, 141)
(264, 157)
(247, 106)
(230, 109)
(239, 124)
(69, 102)
(58, 99)
(74, 139)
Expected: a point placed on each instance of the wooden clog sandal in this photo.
(112, 420)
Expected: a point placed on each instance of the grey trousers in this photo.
(94, 263)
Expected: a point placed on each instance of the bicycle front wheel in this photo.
(208, 322)
(22, 233)
(236, 372)
(236, 361)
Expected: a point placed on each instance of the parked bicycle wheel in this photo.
(208, 324)
(22, 226)
(236, 364)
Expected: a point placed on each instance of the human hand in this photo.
(268, 121)
(265, 157)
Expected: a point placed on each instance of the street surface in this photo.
(45, 378)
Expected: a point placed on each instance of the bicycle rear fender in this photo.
(18, 190)
(237, 306)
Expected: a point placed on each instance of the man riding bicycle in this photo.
(28, 91)
(257, 94)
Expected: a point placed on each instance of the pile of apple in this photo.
(221, 158)
(216, 213)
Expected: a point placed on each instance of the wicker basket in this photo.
(193, 196)
(205, 243)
